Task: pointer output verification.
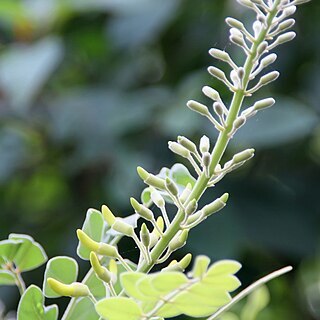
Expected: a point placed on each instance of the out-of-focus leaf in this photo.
(7, 278)
(82, 309)
(24, 69)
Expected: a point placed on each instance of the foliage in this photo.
(169, 189)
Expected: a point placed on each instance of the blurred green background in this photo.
(89, 90)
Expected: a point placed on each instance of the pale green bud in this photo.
(243, 156)
(179, 149)
(263, 104)
(204, 144)
(73, 290)
(289, 11)
(269, 77)
(287, 24)
(219, 54)
(271, 58)
(198, 107)
(239, 122)
(217, 107)
(102, 273)
(185, 193)
(193, 218)
(240, 72)
(237, 40)
(154, 236)
(98, 247)
(140, 209)
(108, 215)
(123, 227)
(215, 206)
(283, 38)
(179, 240)
(171, 187)
(262, 47)
(206, 158)
(145, 235)
(188, 144)
(234, 23)
(217, 73)
(151, 179)
(157, 199)
(211, 93)
(191, 207)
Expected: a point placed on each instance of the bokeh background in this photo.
(89, 90)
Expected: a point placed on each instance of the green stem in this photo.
(219, 148)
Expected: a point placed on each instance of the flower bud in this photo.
(191, 207)
(217, 73)
(145, 235)
(179, 240)
(113, 268)
(193, 218)
(188, 144)
(243, 156)
(143, 211)
(263, 104)
(198, 107)
(179, 149)
(239, 122)
(171, 187)
(283, 38)
(98, 247)
(286, 24)
(102, 273)
(108, 215)
(234, 23)
(269, 59)
(206, 158)
(240, 73)
(289, 11)
(219, 54)
(123, 227)
(269, 77)
(157, 198)
(211, 93)
(185, 193)
(73, 290)
(151, 179)
(217, 107)
(215, 206)
(204, 144)
(154, 236)
(262, 47)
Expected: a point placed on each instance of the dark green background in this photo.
(89, 90)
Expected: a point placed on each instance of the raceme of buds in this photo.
(73, 290)
(215, 206)
(102, 272)
(151, 179)
(141, 210)
(179, 149)
(98, 247)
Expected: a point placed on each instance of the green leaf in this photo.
(63, 269)
(93, 226)
(223, 267)
(129, 280)
(30, 254)
(7, 278)
(8, 249)
(119, 308)
(181, 175)
(96, 286)
(31, 306)
(82, 309)
(166, 282)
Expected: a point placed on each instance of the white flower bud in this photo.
(188, 144)
(211, 93)
(264, 103)
(199, 107)
(219, 54)
(185, 193)
(243, 156)
(269, 77)
(284, 25)
(289, 11)
(206, 158)
(271, 58)
(178, 149)
(234, 23)
(262, 47)
(239, 122)
(217, 107)
(283, 38)
(204, 144)
(217, 73)
(157, 199)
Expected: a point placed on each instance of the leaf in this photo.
(82, 309)
(168, 281)
(8, 249)
(119, 308)
(129, 280)
(30, 254)
(93, 226)
(96, 286)
(63, 269)
(31, 306)
(7, 278)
